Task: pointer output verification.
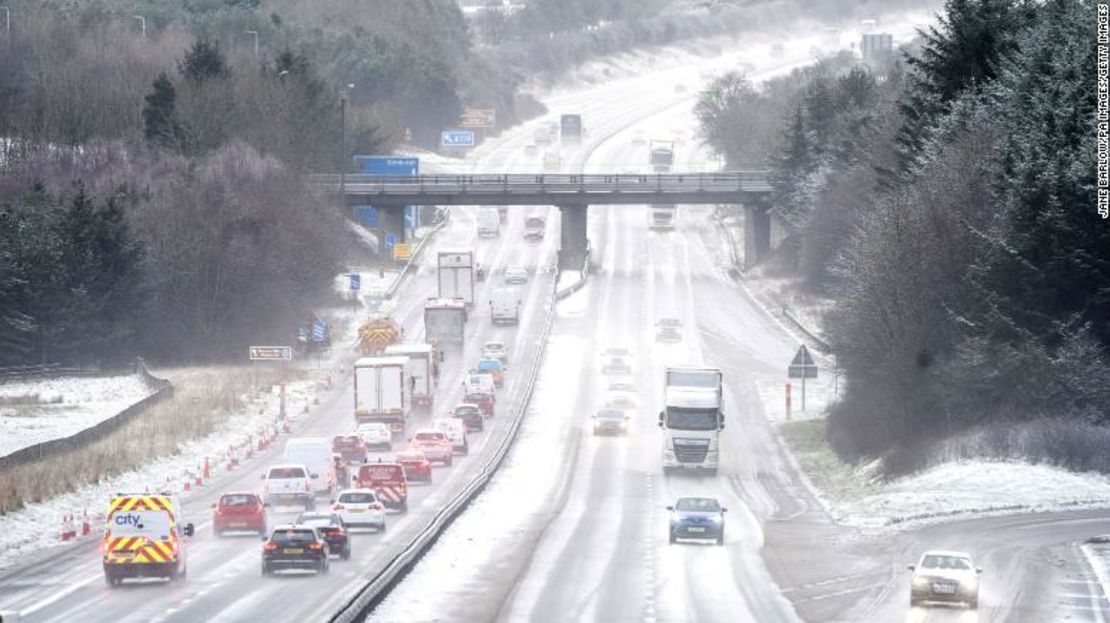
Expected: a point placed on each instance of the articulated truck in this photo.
(691, 419)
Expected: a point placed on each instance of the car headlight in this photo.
(921, 582)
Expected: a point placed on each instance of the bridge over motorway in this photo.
(571, 193)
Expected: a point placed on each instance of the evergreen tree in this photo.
(160, 124)
(203, 62)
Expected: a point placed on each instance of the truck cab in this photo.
(691, 419)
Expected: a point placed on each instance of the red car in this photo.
(239, 512)
(416, 466)
(484, 400)
(350, 447)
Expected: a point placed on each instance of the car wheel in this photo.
(913, 602)
(381, 527)
(310, 505)
(346, 555)
(405, 506)
(974, 603)
(450, 461)
(219, 533)
(672, 538)
(265, 570)
(721, 538)
(111, 580)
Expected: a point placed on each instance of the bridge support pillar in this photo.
(757, 234)
(391, 223)
(573, 243)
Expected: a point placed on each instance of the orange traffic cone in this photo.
(86, 527)
(207, 469)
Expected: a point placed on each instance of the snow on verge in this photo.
(64, 406)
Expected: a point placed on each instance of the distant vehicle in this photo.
(617, 351)
(610, 422)
(288, 484)
(776, 50)
(661, 216)
(330, 528)
(376, 436)
(534, 227)
(383, 392)
(620, 400)
(456, 432)
(315, 454)
(661, 155)
(944, 576)
(691, 418)
(489, 223)
(546, 133)
(616, 364)
(494, 368)
(470, 415)
(530, 149)
(239, 511)
(638, 139)
(420, 369)
(416, 466)
(350, 448)
(387, 481)
(142, 530)
(455, 275)
(435, 445)
(570, 128)
(445, 320)
(495, 350)
(360, 508)
(294, 547)
(516, 275)
(479, 382)
(552, 161)
(622, 385)
(697, 518)
(668, 330)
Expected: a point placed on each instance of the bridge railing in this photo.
(546, 182)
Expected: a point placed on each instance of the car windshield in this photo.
(245, 499)
(693, 378)
(494, 347)
(294, 536)
(357, 497)
(669, 322)
(939, 561)
(610, 414)
(701, 505)
(287, 472)
(489, 365)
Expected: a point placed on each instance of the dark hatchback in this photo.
(331, 528)
(471, 416)
(294, 547)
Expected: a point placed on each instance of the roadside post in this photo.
(801, 367)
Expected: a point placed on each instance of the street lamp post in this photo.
(343, 94)
(7, 19)
(142, 22)
(255, 33)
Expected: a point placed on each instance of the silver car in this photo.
(945, 576)
(610, 422)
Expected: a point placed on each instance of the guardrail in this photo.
(577, 285)
(43, 370)
(819, 339)
(360, 605)
(163, 389)
(530, 183)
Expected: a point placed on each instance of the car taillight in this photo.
(338, 507)
(334, 532)
(315, 545)
(270, 545)
(376, 506)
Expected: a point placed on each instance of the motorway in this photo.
(574, 527)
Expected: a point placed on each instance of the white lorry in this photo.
(456, 275)
(445, 321)
(691, 418)
(421, 366)
(661, 216)
(504, 306)
(382, 391)
(489, 223)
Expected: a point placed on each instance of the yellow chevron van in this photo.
(144, 537)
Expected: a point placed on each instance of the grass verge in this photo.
(204, 398)
(838, 482)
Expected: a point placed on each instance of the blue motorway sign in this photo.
(456, 138)
(319, 330)
(387, 165)
(390, 240)
(356, 281)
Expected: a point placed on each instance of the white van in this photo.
(504, 306)
(315, 454)
(489, 223)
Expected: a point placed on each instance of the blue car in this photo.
(697, 518)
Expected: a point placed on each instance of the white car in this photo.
(622, 385)
(455, 430)
(668, 330)
(495, 350)
(376, 436)
(620, 400)
(945, 576)
(288, 484)
(516, 274)
(610, 421)
(360, 508)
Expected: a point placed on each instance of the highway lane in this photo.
(224, 581)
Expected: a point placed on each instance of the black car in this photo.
(331, 528)
(294, 547)
(471, 416)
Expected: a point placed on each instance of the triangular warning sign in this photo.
(802, 358)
